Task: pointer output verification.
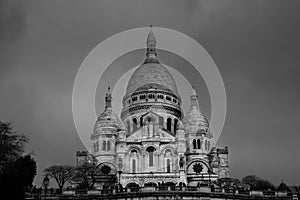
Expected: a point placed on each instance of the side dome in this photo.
(194, 120)
(151, 73)
(108, 118)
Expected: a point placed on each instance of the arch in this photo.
(128, 126)
(194, 144)
(136, 148)
(202, 161)
(108, 145)
(198, 144)
(175, 125)
(166, 147)
(169, 124)
(168, 165)
(171, 185)
(134, 124)
(94, 147)
(150, 151)
(134, 160)
(150, 184)
(97, 146)
(133, 186)
(161, 121)
(168, 152)
(133, 151)
(133, 166)
(141, 121)
(109, 164)
(104, 145)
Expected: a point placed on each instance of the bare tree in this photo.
(61, 174)
(86, 174)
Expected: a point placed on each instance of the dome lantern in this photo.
(151, 48)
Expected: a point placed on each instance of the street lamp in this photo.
(46, 184)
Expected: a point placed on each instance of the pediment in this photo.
(150, 131)
(138, 134)
(150, 117)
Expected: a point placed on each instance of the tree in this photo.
(86, 175)
(17, 177)
(250, 180)
(263, 185)
(16, 171)
(11, 144)
(228, 183)
(257, 183)
(61, 174)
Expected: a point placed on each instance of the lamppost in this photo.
(45, 184)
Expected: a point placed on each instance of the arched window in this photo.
(108, 145)
(134, 122)
(168, 166)
(208, 145)
(96, 147)
(199, 144)
(168, 153)
(150, 151)
(133, 152)
(175, 125)
(169, 124)
(133, 166)
(104, 146)
(194, 144)
(161, 121)
(141, 121)
(128, 126)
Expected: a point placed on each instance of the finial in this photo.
(108, 98)
(194, 93)
(194, 98)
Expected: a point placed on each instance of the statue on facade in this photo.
(181, 162)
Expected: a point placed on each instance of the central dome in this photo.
(151, 73)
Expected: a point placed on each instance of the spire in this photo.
(194, 99)
(108, 98)
(151, 47)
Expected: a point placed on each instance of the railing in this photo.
(172, 190)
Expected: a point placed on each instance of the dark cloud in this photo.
(255, 45)
(12, 19)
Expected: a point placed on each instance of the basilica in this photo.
(153, 142)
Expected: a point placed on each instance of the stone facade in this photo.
(152, 143)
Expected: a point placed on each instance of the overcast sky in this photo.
(255, 44)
